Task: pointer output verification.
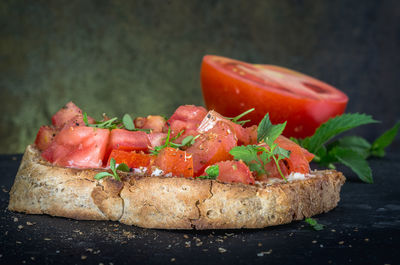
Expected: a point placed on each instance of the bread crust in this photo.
(168, 202)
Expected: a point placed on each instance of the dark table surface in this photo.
(363, 229)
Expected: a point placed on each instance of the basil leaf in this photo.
(333, 127)
(102, 175)
(128, 122)
(354, 161)
(314, 224)
(384, 140)
(123, 167)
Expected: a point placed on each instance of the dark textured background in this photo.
(144, 57)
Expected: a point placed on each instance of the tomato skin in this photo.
(45, 137)
(132, 159)
(212, 146)
(234, 171)
(175, 161)
(121, 139)
(302, 101)
(80, 147)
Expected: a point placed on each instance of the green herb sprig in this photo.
(211, 171)
(187, 141)
(121, 167)
(351, 151)
(114, 123)
(256, 156)
(237, 118)
(314, 224)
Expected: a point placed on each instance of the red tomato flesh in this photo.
(45, 137)
(212, 146)
(154, 123)
(188, 118)
(68, 113)
(121, 139)
(232, 87)
(177, 162)
(81, 147)
(234, 171)
(131, 159)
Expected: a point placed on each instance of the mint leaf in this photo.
(314, 224)
(123, 167)
(354, 161)
(333, 127)
(247, 153)
(268, 132)
(237, 118)
(379, 145)
(356, 143)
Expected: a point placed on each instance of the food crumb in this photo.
(321, 246)
(29, 223)
(18, 242)
(221, 250)
(23, 262)
(83, 257)
(366, 240)
(173, 259)
(259, 244)
(261, 254)
(185, 236)
(57, 251)
(341, 242)
(4, 190)
(46, 239)
(314, 241)
(15, 219)
(205, 249)
(32, 258)
(350, 246)
(188, 244)
(89, 249)
(198, 244)
(333, 230)
(20, 227)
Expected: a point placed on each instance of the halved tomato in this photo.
(234, 171)
(212, 146)
(232, 87)
(80, 146)
(177, 162)
(131, 159)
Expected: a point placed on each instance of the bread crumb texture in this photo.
(168, 202)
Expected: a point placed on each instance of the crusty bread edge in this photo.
(168, 202)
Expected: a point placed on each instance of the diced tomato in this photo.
(232, 87)
(177, 162)
(121, 139)
(212, 146)
(245, 135)
(67, 113)
(188, 118)
(131, 159)
(234, 171)
(45, 137)
(272, 171)
(157, 139)
(81, 147)
(299, 158)
(154, 123)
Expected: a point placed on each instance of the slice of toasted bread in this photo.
(168, 202)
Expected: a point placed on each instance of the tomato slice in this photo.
(132, 159)
(80, 146)
(232, 87)
(175, 161)
(212, 146)
(234, 171)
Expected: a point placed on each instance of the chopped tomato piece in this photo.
(131, 159)
(234, 171)
(212, 146)
(82, 147)
(245, 135)
(121, 139)
(157, 139)
(154, 123)
(188, 118)
(177, 162)
(272, 171)
(299, 158)
(67, 113)
(45, 137)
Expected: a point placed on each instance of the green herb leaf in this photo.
(128, 122)
(212, 171)
(206, 177)
(354, 161)
(123, 167)
(247, 153)
(268, 132)
(314, 224)
(333, 127)
(356, 143)
(379, 145)
(102, 175)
